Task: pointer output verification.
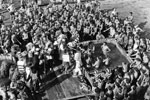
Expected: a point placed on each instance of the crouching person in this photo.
(11, 95)
(24, 92)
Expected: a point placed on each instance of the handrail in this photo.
(79, 96)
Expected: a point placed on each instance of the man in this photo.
(66, 60)
(3, 93)
(130, 17)
(77, 58)
(21, 63)
(4, 69)
(106, 61)
(145, 58)
(105, 49)
(97, 63)
(112, 31)
(147, 94)
(99, 36)
(36, 1)
(23, 3)
(33, 81)
(34, 62)
(1, 2)
(1, 20)
(78, 1)
(11, 10)
(132, 93)
(114, 12)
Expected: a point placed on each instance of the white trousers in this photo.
(3, 94)
(77, 70)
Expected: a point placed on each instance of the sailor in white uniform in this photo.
(77, 58)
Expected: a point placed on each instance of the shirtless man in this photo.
(114, 12)
(131, 17)
(105, 49)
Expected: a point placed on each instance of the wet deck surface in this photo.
(66, 89)
(66, 86)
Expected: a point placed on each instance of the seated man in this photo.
(106, 61)
(97, 63)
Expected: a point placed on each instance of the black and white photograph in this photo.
(74, 49)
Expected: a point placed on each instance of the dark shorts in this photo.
(12, 13)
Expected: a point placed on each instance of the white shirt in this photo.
(78, 1)
(112, 31)
(105, 48)
(60, 37)
(28, 12)
(28, 71)
(145, 59)
(2, 93)
(21, 65)
(61, 47)
(25, 36)
(135, 46)
(77, 56)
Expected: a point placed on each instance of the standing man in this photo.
(105, 49)
(11, 10)
(77, 58)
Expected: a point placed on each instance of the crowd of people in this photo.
(39, 37)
